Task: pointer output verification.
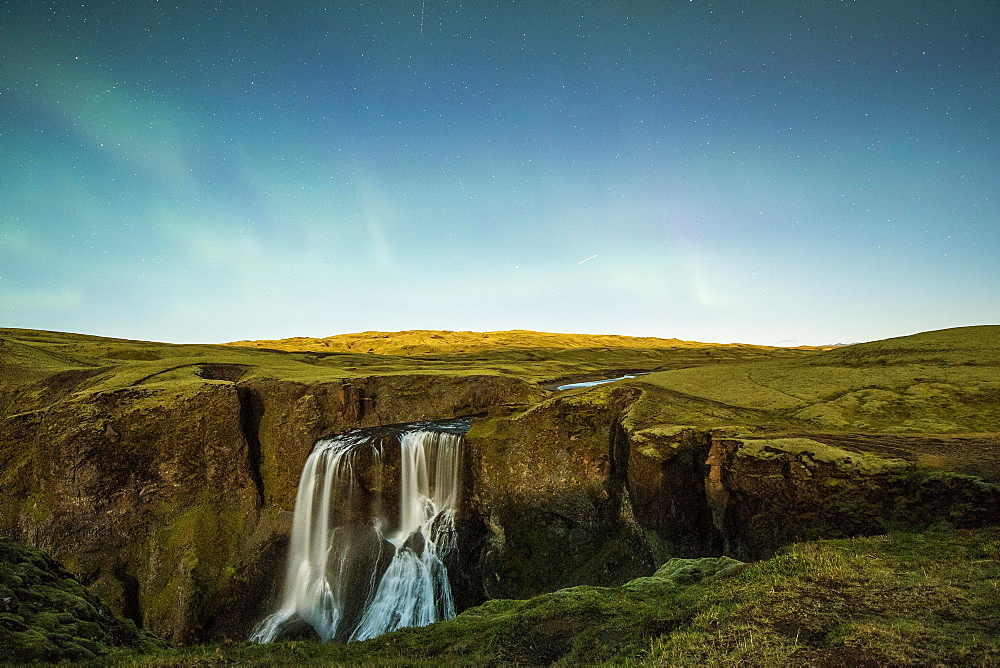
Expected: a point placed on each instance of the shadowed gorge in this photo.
(251, 412)
(166, 477)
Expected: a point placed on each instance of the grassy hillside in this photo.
(435, 342)
(932, 397)
(38, 368)
(942, 386)
(935, 382)
(542, 356)
(901, 599)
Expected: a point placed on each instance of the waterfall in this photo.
(360, 565)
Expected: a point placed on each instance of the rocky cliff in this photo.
(551, 490)
(581, 490)
(172, 497)
(165, 476)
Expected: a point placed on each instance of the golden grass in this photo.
(426, 341)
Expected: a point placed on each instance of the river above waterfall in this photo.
(601, 381)
(374, 519)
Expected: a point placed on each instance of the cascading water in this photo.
(358, 564)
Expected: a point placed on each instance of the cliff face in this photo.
(769, 492)
(173, 500)
(576, 491)
(146, 515)
(167, 481)
(551, 491)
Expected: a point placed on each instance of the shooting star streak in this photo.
(587, 260)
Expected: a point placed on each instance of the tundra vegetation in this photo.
(733, 504)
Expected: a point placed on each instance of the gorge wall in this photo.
(577, 490)
(174, 500)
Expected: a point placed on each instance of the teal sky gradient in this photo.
(781, 172)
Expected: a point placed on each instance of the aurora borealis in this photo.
(807, 171)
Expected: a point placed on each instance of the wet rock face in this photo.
(173, 500)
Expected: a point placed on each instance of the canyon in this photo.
(165, 476)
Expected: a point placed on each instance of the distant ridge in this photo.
(430, 341)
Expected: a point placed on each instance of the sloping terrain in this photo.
(38, 368)
(165, 475)
(443, 342)
(900, 599)
(932, 398)
(46, 615)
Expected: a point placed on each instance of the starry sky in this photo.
(779, 172)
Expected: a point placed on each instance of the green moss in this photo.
(203, 541)
(901, 599)
(810, 450)
(49, 616)
(660, 443)
(904, 599)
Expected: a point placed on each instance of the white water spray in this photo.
(356, 568)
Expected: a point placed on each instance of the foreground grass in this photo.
(901, 599)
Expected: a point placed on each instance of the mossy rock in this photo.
(901, 599)
(49, 616)
(689, 571)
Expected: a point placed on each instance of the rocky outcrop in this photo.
(577, 491)
(769, 492)
(668, 484)
(46, 615)
(552, 493)
(708, 492)
(138, 492)
(173, 499)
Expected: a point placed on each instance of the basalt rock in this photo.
(668, 470)
(576, 491)
(173, 499)
(706, 492)
(551, 484)
(769, 492)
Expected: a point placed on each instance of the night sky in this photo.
(772, 171)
